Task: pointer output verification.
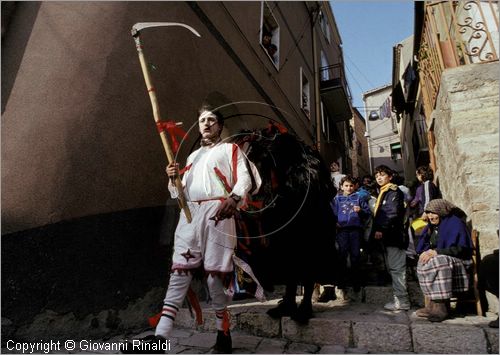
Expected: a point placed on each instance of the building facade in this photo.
(359, 149)
(83, 170)
(409, 110)
(384, 145)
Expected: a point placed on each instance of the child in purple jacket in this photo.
(426, 191)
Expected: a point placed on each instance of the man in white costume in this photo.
(216, 181)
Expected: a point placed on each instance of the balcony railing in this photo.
(455, 33)
(333, 75)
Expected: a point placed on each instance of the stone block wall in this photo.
(466, 122)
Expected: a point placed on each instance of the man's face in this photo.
(382, 178)
(334, 167)
(367, 181)
(208, 125)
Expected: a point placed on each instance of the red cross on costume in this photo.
(187, 255)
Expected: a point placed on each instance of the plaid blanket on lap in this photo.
(443, 276)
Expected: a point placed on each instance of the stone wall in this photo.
(466, 131)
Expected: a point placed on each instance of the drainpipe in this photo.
(317, 102)
(368, 137)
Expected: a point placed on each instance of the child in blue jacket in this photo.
(351, 211)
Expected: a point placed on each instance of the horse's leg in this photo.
(308, 291)
(290, 293)
(287, 306)
(304, 311)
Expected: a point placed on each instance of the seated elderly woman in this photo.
(445, 251)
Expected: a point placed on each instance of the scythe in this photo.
(154, 102)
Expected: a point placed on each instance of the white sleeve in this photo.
(172, 189)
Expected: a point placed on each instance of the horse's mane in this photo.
(298, 170)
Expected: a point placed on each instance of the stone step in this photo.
(364, 326)
(383, 294)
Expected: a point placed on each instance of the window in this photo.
(359, 148)
(325, 26)
(270, 34)
(349, 134)
(325, 75)
(305, 103)
(396, 151)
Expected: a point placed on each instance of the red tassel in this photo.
(225, 322)
(173, 130)
(193, 300)
(272, 126)
(154, 320)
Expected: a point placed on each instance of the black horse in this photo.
(287, 234)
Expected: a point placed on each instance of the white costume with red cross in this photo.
(212, 174)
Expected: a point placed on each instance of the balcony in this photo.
(335, 93)
(452, 34)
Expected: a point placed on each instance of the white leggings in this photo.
(177, 289)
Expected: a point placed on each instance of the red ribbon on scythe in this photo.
(173, 129)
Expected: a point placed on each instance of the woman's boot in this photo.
(439, 311)
(426, 311)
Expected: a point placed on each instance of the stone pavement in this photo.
(338, 327)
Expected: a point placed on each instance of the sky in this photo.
(369, 30)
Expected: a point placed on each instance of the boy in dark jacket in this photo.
(351, 211)
(388, 228)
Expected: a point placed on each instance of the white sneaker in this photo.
(397, 305)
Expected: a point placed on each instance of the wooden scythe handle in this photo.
(157, 117)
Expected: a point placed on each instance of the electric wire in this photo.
(302, 32)
(362, 74)
(353, 77)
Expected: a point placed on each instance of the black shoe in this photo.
(151, 344)
(284, 309)
(303, 314)
(223, 344)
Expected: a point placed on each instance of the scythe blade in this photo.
(142, 25)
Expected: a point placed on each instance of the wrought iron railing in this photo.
(455, 33)
(335, 73)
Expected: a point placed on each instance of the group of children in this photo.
(372, 216)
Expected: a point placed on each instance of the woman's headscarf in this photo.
(439, 206)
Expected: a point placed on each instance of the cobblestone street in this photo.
(338, 327)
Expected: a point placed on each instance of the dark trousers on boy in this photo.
(349, 242)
